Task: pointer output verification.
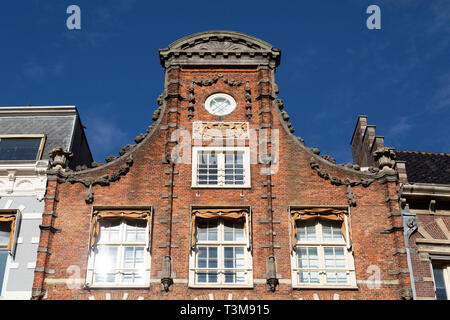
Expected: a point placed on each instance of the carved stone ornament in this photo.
(219, 47)
(210, 82)
(271, 274)
(166, 273)
(105, 180)
(220, 130)
(350, 197)
(405, 294)
(59, 158)
(385, 158)
(409, 221)
(90, 196)
(338, 182)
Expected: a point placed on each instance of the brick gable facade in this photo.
(148, 175)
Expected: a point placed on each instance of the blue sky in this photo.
(332, 69)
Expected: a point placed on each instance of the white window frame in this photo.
(208, 101)
(11, 254)
(320, 245)
(121, 244)
(221, 167)
(446, 274)
(220, 244)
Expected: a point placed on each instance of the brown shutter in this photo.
(100, 215)
(224, 213)
(328, 214)
(12, 218)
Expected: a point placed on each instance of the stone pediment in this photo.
(220, 48)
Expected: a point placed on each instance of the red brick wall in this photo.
(295, 183)
(421, 262)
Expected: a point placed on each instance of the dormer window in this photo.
(21, 147)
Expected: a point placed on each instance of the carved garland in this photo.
(213, 80)
(338, 182)
(105, 180)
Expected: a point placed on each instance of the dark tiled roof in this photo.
(57, 128)
(426, 167)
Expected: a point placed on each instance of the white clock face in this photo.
(220, 104)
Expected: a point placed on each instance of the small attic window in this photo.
(21, 147)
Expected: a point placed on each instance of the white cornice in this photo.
(23, 178)
(38, 110)
(425, 189)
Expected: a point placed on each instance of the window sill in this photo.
(220, 187)
(136, 287)
(324, 287)
(210, 286)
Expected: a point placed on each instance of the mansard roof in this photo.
(60, 124)
(426, 167)
(220, 48)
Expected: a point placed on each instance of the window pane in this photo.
(212, 252)
(135, 230)
(439, 282)
(202, 232)
(306, 230)
(207, 257)
(3, 259)
(202, 252)
(234, 173)
(233, 259)
(207, 277)
(309, 277)
(207, 230)
(19, 148)
(106, 258)
(327, 233)
(5, 230)
(105, 264)
(207, 168)
(110, 231)
(229, 277)
(331, 277)
(342, 277)
(233, 230)
(307, 258)
(133, 258)
(331, 231)
(334, 258)
(212, 277)
(201, 277)
(228, 253)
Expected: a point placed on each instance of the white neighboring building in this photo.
(27, 135)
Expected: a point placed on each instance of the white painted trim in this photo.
(221, 167)
(15, 174)
(248, 269)
(232, 101)
(89, 281)
(38, 110)
(320, 244)
(16, 295)
(32, 216)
